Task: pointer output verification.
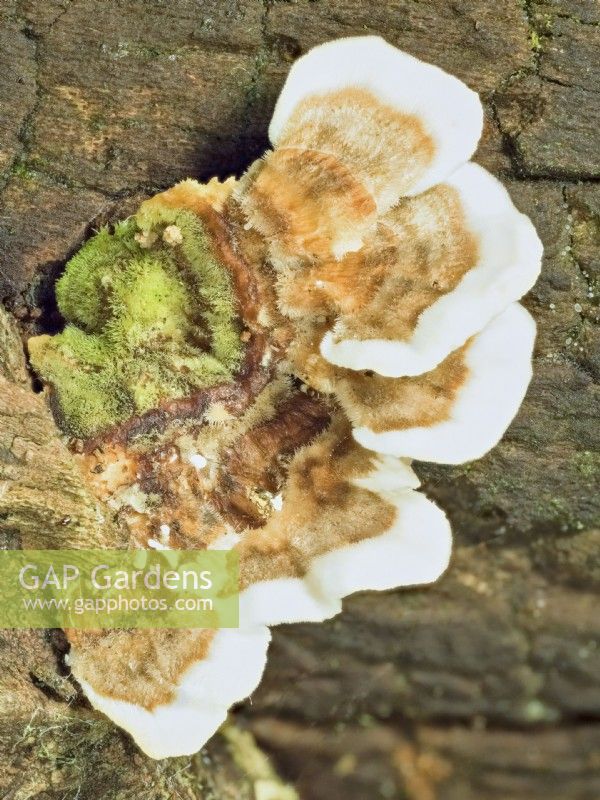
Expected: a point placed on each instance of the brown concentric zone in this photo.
(325, 509)
(143, 667)
(305, 202)
(373, 401)
(248, 427)
(387, 149)
(419, 252)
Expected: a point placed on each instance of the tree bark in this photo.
(485, 686)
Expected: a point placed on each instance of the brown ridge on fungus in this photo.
(420, 251)
(235, 396)
(384, 147)
(149, 665)
(323, 509)
(154, 484)
(194, 196)
(260, 458)
(384, 404)
(248, 289)
(305, 202)
(376, 402)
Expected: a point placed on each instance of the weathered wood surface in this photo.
(486, 686)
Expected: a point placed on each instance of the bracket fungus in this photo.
(253, 364)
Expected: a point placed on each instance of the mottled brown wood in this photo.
(43, 499)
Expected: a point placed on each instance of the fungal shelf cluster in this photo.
(254, 364)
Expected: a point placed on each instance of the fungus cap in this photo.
(346, 306)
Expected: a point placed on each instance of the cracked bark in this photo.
(485, 686)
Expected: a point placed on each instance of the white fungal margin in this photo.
(499, 372)
(415, 550)
(508, 264)
(229, 673)
(285, 600)
(450, 112)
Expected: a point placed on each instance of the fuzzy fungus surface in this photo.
(151, 317)
(254, 364)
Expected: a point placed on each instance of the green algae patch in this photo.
(151, 317)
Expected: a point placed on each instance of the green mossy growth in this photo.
(149, 321)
